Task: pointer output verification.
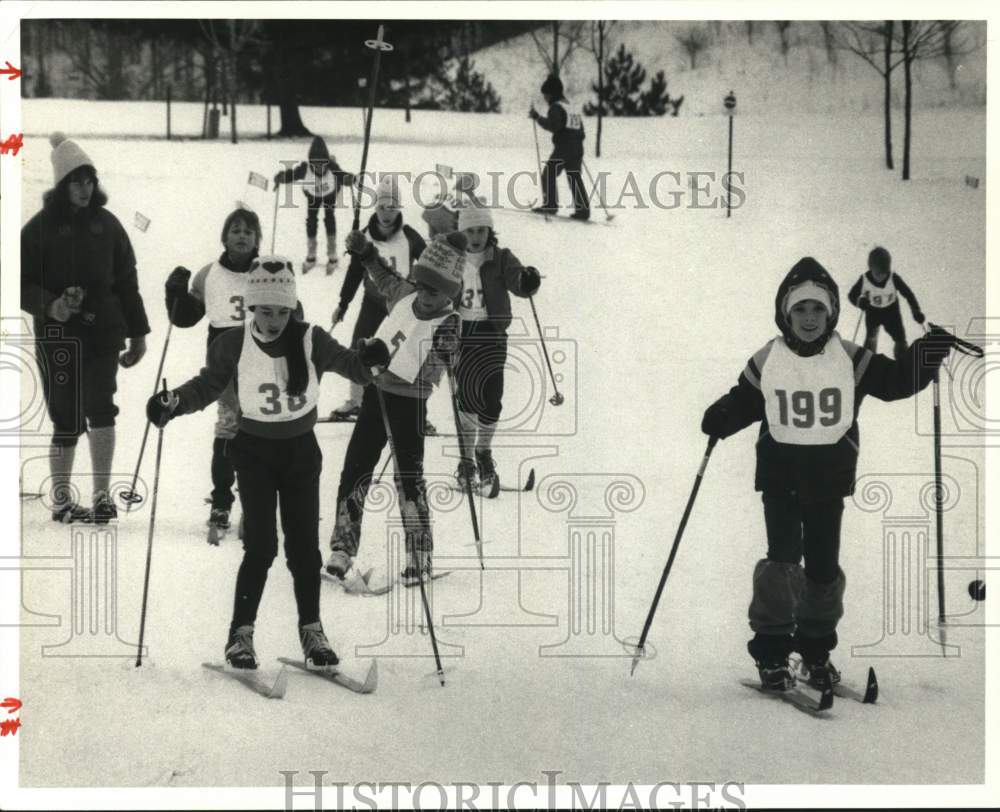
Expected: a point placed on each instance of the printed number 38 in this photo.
(273, 393)
(803, 406)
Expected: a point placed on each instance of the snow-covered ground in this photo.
(656, 316)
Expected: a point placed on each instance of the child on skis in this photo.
(875, 294)
(806, 387)
(566, 125)
(490, 275)
(275, 363)
(219, 291)
(321, 179)
(422, 327)
(397, 243)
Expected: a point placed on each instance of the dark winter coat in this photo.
(567, 143)
(87, 248)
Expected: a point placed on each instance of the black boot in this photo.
(770, 653)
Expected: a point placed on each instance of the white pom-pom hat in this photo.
(66, 156)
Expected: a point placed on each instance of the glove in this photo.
(715, 420)
(919, 317)
(133, 355)
(279, 179)
(864, 304)
(533, 114)
(349, 178)
(338, 314)
(160, 408)
(935, 346)
(374, 353)
(67, 305)
(177, 282)
(531, 281)
(357, 243)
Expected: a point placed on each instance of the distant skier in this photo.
(321, 179)
(491, 274)
(275, 362)
(565, 123)
(806, 388)
(219, 291)
(401, 246)
(875, 293)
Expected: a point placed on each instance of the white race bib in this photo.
(263, 383)
(808, 401)
(224, 292)
(879, 296)
(408, 338)
(472, 302)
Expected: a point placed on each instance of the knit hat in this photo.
(441, 264)
(553, 86)
(388, 190)
(808, 290)
(271, 281)
(473, 214)
(66, 156)
(318, 150)
(880, 259)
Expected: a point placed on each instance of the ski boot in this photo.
(218, 524)
(71, 512)
(239, 649)
(817, 673)
(465, 475)
(104, 510)
(310, 262)
(316, 649)
(580, 214)
(343, 543)
(776, 675)
(346, 412)
(411, 576)
(489, 479)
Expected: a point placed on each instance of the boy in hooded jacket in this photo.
(806, 387)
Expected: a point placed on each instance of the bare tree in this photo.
(919, 39)
(600, 31)
(829, 42)
(228, 39)
(567, 36)
(693, 39)
(954, 45)
(784, 37)
(873, 42)
(749, 25)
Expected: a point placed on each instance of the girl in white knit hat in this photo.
(490, 275)
(276, 363)
(79, 283)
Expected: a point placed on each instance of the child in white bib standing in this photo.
(275, 363)
(877, 293)
(805, 387)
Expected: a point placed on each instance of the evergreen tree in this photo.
(654, 102)
(468, 92)
(623, 78)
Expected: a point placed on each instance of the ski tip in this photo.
(530, 484)
(871, 688)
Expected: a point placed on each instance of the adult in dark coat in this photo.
(78, 282)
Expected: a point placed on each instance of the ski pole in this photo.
(461, 451)
(641, 648)
(538, 160)
(274, 220)
(149, 543)
(857, 327)
(413, 553)
(130, 497)
(600, 194)
(557, 399)
(378, 45)
(382, 472)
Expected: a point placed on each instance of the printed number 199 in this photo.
(803, 405)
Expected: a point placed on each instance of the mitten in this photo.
(918, 317)
(935, 346)
(715, 420)
(374, 353)
(160, 408)
(532, 114)
(864, 304)
(278, 179)
(338, 314)
(357, 243)
(177, 282)
(531, 280)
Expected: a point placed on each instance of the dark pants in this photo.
(223, 475)
(370, 318)
(786, 599)
(553, 167)
(480, 370)
(79, 387)
(890, 318)
(406, 420)
(272, 475)
(327, 204)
